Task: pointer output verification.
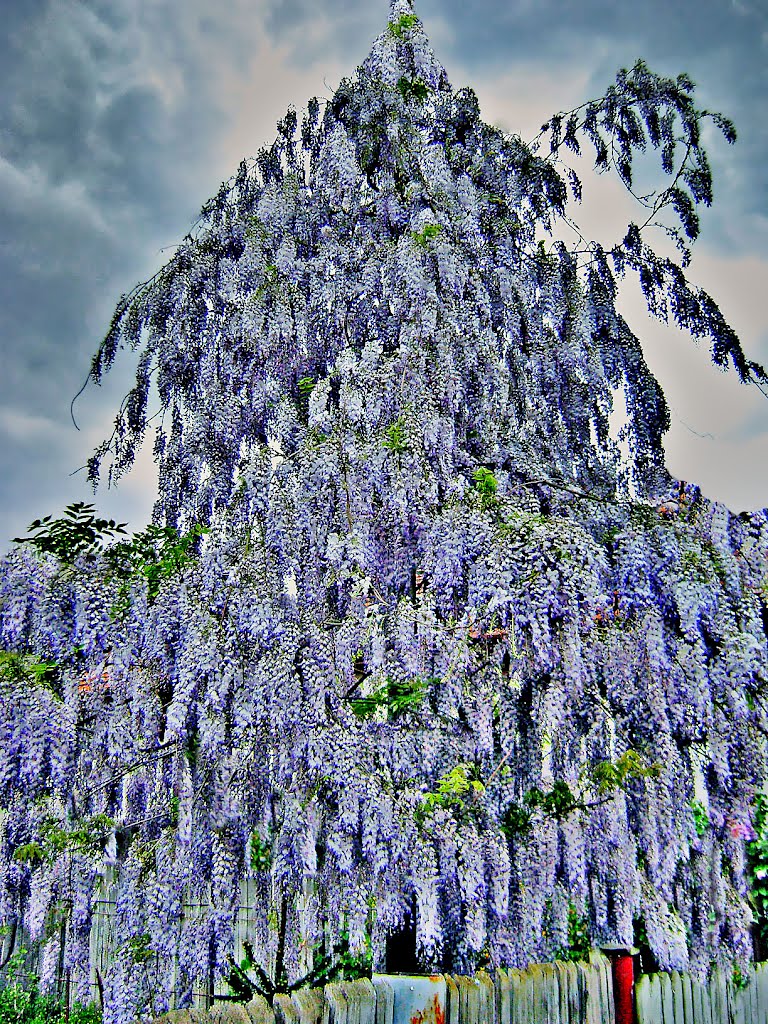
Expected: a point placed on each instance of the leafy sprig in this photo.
(89, 836)
(757, 863)
(700, 819)
(486, 485)
(403, 25)
(453, 789)
(395, 437)
(79, 531)
(396, 696)
(413, 88)
(427, 233)
(157, 554)
(579, 942)
(600, 784)
(30, 670)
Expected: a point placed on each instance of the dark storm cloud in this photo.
(103, 138)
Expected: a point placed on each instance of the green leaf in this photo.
(397, 697)
(486, 485)
(395, 439)
(428, 232)
(403, 25)
(79, 531)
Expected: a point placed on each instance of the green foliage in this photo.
(192, 746)
(78, 532)
(353, 966)
(33, 853)
(740, 978)
(413, 88)
(30, 670)
(579, 944)
(22, 1003)
(700, 817)
(395, 439)
(88, 836)
(397, 697)
(139, 949)
(486, 485)
(517, 820)
(607, 776)
(27, 1006)
(603, 779)
(554, 803)
(757, 864)
(261, 852)
(174, 811)
(403, 25)
(453, 787)
(428, 232)
(157, 554)
(306, 386)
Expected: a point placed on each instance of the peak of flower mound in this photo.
(441, 649)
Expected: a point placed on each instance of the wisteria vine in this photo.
(408, 630)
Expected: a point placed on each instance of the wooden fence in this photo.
(673, 998)
(559, 993)
(544, 993)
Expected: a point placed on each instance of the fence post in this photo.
(623, 976)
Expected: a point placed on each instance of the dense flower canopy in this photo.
(431, 586)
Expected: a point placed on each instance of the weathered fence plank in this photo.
(335, 1009)
(285, 1010)
(452, 1015)
(518, 992)
(487, 991)
(361, 1001)
(761, 984)
(309, 1005)
(259, 1011)
(648, 999)
(385, 1000)
(503, 998)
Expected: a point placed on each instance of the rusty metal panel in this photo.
(417, 1000)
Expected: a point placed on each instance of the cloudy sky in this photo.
(119, 118)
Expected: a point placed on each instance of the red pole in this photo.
(623, 972)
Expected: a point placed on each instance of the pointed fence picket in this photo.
(673, 998)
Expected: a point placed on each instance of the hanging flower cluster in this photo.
(412, 631)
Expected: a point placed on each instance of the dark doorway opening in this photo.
(401, 947)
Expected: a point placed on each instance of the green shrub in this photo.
(24, 1004)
